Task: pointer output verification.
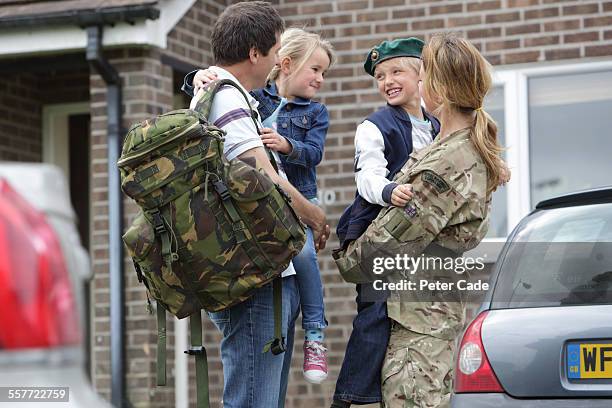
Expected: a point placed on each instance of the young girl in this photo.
(295, 126)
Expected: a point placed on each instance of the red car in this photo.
(42, 270)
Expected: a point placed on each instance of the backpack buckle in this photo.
(278, 346)
(195, 351)
(221, 188)
(158, 223)
(239, 229)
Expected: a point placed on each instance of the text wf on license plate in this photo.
(589, 360)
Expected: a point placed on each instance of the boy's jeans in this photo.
(254, 379)
(309, 283)
(359, 380)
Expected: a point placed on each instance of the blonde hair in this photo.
(411, 62)
(456, 72)
(406, 63)
(299, 44)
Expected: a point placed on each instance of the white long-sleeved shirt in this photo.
(370, 164)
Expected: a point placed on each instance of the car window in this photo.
(560, 256)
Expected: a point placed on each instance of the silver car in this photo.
(543, 337)
(42, 270)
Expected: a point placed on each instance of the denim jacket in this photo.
(303, 123)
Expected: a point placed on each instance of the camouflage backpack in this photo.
(211, 231)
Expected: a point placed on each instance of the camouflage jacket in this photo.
(447, 216)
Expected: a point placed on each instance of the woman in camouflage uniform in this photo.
(452, 182)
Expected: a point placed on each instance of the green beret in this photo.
(403, 47)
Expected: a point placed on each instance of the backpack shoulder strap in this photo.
(204, 104)
(207, 95)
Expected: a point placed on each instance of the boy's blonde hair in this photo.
(411, 62)
(299, 44)
(406, 63)
(457, 73)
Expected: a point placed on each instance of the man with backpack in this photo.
(245, 40)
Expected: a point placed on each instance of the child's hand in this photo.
(321, 238)
(504, 174)
(202, 78)
(274, 141)
(401, 195)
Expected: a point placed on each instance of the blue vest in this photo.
(396, 128)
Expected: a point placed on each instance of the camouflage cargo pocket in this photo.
(398, 379)
(349, 264)
(145, 251)
(397, 221)
(419, 372)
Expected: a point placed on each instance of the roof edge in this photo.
(87, 17)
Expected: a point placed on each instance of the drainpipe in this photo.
(115, 213)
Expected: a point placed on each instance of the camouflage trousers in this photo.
(418, 369)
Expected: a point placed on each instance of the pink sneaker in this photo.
(315, 362)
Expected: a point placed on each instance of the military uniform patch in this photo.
(410, 210)
(436, 181)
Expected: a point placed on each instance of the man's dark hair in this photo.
(242, 26)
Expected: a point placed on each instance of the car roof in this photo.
(584, 197)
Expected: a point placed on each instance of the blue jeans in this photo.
(359, 380)
(309, 283)
(253, 379)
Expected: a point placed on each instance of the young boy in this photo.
(383, 143)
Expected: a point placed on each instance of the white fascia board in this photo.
(45, 40)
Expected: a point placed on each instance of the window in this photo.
(570, 248)
(494, 105)
(569, 133)
(555, 123)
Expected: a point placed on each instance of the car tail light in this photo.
(38, 308)
(473, 371)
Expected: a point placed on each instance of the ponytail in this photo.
(484, 138)
(457, 72)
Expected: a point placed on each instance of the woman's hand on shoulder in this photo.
(401, 195)
(202, 78)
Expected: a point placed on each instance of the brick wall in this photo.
(20, 118)
(189, 41)
(22, 97)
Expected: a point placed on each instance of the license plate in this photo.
(589, 360)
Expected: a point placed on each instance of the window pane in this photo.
(571, 250)
(494, 105)
(569, 133)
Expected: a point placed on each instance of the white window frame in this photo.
(514, 81)
(55, 148)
